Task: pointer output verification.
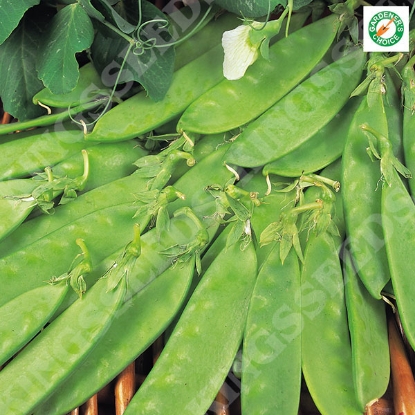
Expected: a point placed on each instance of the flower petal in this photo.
(240, 53)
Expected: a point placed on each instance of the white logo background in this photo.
(370, 45)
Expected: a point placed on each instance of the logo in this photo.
(386, 29)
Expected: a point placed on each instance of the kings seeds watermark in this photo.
(386, 29)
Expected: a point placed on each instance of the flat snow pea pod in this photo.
(14, 211)
(369, 336)
(326, 350)
(198, 356)
(22, 157)
(320, 150)
(408, 91)
(394, 115)
(19, 197)
(28, 268)
(23, 317)
(139, 114)
(361, 199)
(50, 358)
(136, 325)
(398, 212)
(111, 196)
(231, 104)
(88, 88)
(299, 115)
(107, 162)
(271, 353)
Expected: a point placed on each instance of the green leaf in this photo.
(70, 31)
(151, 67)
(121, 23)
(11, 13)
(251, 8)
(18, 54)
(91, 10)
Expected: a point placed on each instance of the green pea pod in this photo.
(88, 88)
(139, 114)
(115, 195)
(15, 210)
(299, 115)
(198, 356)
(19, 197)
(369, 337)
(326, 350)
(271, 354)
(136, 325)
(320, 150)
(22, 157)
(49, 359)
(23, 317)
(107, 162)
(408, 91)
(362, 198)
(27, 268)
(224, 107)
(398, 211)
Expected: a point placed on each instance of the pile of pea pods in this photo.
(263, 226)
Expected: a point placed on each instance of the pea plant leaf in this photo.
(121, 23)
(11, 13)
(150, 62)
(70, 31)
(251, 8)
(91, 10)
(18, 54)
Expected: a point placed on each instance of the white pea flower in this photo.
(243, 45)
(240, 51)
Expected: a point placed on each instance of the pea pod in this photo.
(22, 157)
(271, 354)
(369, 337)
(25, 316)
(88, 88)
(408, 85)
(191, 386)
(116, 195)
(320, 150)
(27, 268)
(398, 226)
(107, 162)
(224, 107)
(49, 359)
(326, 350)
(295, 118)
(136, 325)
(362, 197)
(139, 114)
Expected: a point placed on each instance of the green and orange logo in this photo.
(386, 28)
